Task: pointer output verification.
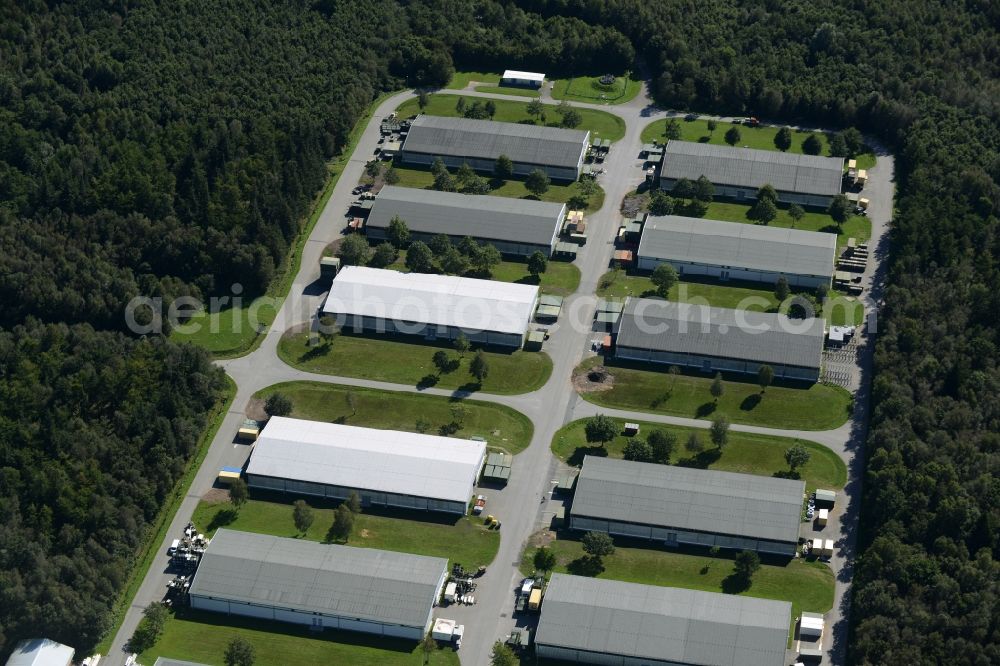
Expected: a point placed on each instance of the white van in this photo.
(173, 547)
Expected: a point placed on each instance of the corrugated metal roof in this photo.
(479, 216)
(735, 245)
(763, 337)
(444, 300)
(663, 623)
(749, 167)
(391, 461)
(759, 507)
(361, 583)
(527, 76)
(41, 652)
(488, 139)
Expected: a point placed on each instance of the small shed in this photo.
(822, 516)
(229, 474)
(513, 77)
(810, 654)
(811, 625)
(550, 299)
(828, 548)
(608, 319)
(248, 431)
(852, 164)
(610, 305)
(565, 250)
(534, 341)
(328, 267)
(391, 149)
(828, 497)
(547, 312)
(816, 548)
(623, 257)
(631, 429)
(498, 466)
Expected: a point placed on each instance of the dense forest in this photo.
(173, 147)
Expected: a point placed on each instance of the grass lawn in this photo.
(461, 539)
(203, 637)
(747, 453)
(460, 80)
(857, 226)
(409, 361)
(600, 123)
(866, 160)
(512, 187)
(796, 406)
(761, 137)
(508, 90)
(392, 410)
(838, 309)
(590, 89)
(807, 585)
(560, 278)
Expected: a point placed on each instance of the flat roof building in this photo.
(687, 506)
(557, 151)
(516, 227)
(718, 339)
(597, 621)
(513, 77)
(737, 173)
(380, 301)
(385, 467)
(166, 661)
(319, 585)
(41, 652)
(734, 251)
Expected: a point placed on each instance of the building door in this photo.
(706, 365)
(671, 539)
(724, 276)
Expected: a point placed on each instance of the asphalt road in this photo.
(523, 505)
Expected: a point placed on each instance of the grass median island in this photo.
(590, 89)
(395, 410)
(838, 309)
(760, 137)
(650, 388)
(807, 585)
(410, 361)
(746, 453)
(508, 90)
(601, 124)
(203, 637)
(857, 226)
(459, 538)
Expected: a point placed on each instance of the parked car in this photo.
(479, 505)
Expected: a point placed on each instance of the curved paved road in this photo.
(523, 504)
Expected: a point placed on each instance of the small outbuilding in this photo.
(825, 497)
(498, 466)
(41, 652)
(811, 625)
(514, 77)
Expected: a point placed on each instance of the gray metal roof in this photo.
(762, 337)
(41, 652)
(758, 507)
(359, 583)
(735, 245)
(749, 167)
(663, 623)
(453, 214)
(488, 139)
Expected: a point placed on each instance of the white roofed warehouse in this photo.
(556, 151)
(488, 312)
(734, 251)
(322, 586)
(719, 339)
(596, 621)
(386, 468)
(515, 227)
(683, 506)
(737, 173)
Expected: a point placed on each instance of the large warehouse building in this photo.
(556, 151)
(737, 173)
(733, 251)
(488, 312)
(319, 585)
(596, 621)
(515, 227)
(386, 468)
(718, 339)
(686, 506)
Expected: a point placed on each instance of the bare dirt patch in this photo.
(365, 534)
(541, 539)
(216, 495)
(597, 378)
(255, 410)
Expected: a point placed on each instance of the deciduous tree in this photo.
(601, 429)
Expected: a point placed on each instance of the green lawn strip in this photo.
(512, 187)
(508, 90)
(410, 361)
(866, 160)
(792, 406)
(461, 539)
(202, 637)
(560, 278)
(236, 335)
(149, 551)
(746, 453)
(838, 309)
(461, 80)
(395, 410)
(807, 585)
(600, 123)
(590, 89)
(761, 137)
(857, 226)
